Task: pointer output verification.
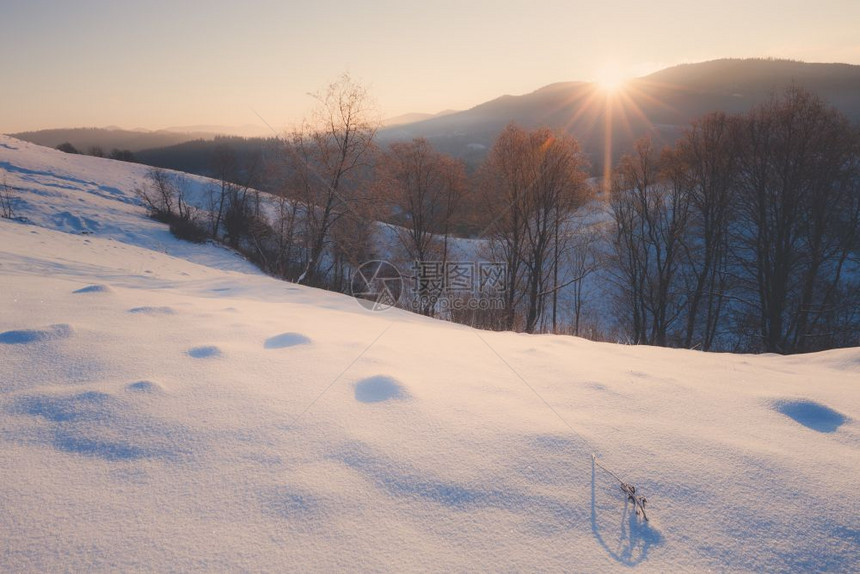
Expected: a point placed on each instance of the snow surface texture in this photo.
(165, 407)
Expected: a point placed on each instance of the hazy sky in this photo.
(159, 63)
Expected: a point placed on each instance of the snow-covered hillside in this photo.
(166, 407)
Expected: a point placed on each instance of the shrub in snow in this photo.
(188, 229)
(7, 208)
(164, 196)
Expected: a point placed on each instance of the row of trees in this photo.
(742, 235)
(98, 151)
(336, 184)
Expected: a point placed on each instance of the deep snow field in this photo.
(166, 407)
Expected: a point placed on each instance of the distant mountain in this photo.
(660, 104)
(134, 140)
(244, 131)
(200, 156)
(414, 117)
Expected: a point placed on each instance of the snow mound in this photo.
(204, 352)
(379, 389)
(152, 310)
(93, 289)
(72, 223)
(812, 415)
(145, 387)
(285, 503)
(27, 336)
(94, 424)
(286, 340)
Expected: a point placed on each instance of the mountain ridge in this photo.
(660, 104)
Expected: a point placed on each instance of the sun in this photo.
(610, 80)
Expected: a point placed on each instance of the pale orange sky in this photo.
(157, 63)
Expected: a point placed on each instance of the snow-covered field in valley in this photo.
(166, 407)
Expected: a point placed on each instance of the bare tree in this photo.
(831, 231)
(799, 214)
(751, 225)
(234, 206)
(532, 181)
(423, 189)
(352, 243)
(164, 195)
(583, 259)
(649, 205)
(707, 155)
(284, 227)
(329, 157)
(122, 155)
(67, 147)
(7, 201)
(224, 169)
(505, 183)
